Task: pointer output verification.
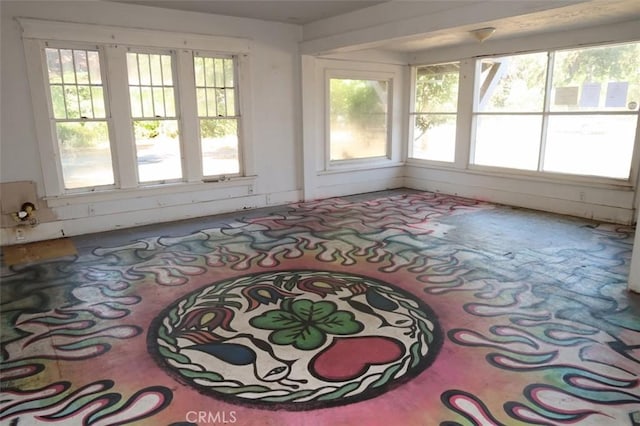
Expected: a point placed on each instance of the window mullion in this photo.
(465, 114)
(120, 113)
(188, 116)
(545, 111)
(412, 112)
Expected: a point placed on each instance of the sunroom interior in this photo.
(286, 144)
(118, 114)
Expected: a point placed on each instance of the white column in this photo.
(310, 104)
(189, 126)
(465, 113)
(120, 112)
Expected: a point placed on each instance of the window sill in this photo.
(147, 191)
(550, 177)
(435, 164)
(358, 166)
(544, 177)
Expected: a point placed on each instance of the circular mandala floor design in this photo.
(296, 340)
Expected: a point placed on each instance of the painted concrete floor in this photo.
(399, 307)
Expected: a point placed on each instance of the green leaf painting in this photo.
(305, 324)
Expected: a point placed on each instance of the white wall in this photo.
(275, 120)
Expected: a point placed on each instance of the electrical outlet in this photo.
(19, 234)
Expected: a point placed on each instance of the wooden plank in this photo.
(38, 251)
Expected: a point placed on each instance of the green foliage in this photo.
(218, 128)
(521, 87)
(150, 129)
(436, 91)
(147, 129)
(82, 134)
(359, 103)
(604, 64)
(522, 77)
(609, 63)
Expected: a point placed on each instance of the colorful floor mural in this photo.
(396, 308)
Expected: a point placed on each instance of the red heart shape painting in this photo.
(348, 358)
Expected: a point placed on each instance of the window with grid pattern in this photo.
(78, 110)
(218, 118)
(153, 111)
(128, 116)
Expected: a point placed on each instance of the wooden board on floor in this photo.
(38, 251)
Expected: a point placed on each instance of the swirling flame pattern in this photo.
(537, 333)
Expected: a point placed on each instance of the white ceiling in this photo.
(582, 15)
(293, 12)
(347, 16)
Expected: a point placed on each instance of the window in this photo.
(135, 109)
(358, 118)
(594, 102)
(155, 123)
(434, 112)
(216, 95)
(79, 114)
(571, 111)
(510, 101)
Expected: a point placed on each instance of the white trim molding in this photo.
(71, 31)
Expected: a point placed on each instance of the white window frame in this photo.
(395, 115)
(463, 118)
(112, 43)
(465, 139)
(237, 116)
(56, 166)
(178, 116)
(357, 75)
(413, 114)
(545, 113)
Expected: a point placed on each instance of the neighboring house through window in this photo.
(570, 112)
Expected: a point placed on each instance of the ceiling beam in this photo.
(343, 39)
